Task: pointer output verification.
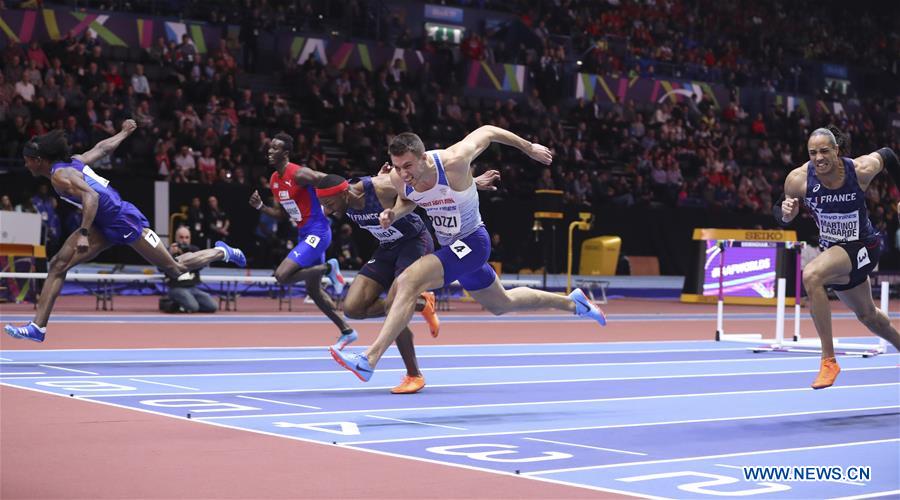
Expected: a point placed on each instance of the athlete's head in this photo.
(44, 150)
(408, 157)
(825, 146)
(333, 193)
(280, 148)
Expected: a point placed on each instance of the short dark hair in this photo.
(329, 181)
(51, 146)
(406, 142)
(286, 139)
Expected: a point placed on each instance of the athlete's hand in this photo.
(790, 207)
(386, 168)
(82, 244)
(540, 153)
(485, 181)
(255, 200)
(129, 126)
(386, 218)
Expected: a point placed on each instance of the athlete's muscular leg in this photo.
(859, 300)
(289, 272)
(67, 258)
(154, 252)
(201, 258)
(499, 301)
(425, 274)
(832, 266)
(324, 302)
(364, 301)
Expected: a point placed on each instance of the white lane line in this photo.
(708, 457)
(742, 467)
(420, 423)
(281, 402)
(465, 368)
(391, 356)
(614, 450)
(561, 402)
(5, 359)
(168, 385)
(513, 382)
(622, 426)
(69, 369)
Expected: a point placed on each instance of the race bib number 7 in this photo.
(460, 249)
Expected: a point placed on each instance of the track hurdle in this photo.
(797, 343)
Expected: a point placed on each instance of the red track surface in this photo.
(54, 447)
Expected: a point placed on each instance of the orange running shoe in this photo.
(827, 373)
(409, 385)
(430, 314)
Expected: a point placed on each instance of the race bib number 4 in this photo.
(293, 211)
(460, 249)
(839, 227)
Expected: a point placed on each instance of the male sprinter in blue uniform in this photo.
(400, 245)
(833, 188)
(441, 182)
(106, 220)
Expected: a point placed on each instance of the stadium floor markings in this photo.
(513, 432)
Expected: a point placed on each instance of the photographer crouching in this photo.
(184, 296)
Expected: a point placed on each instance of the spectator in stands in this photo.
(139, 81)
(218, 222)
(25, 89)
(206, 166)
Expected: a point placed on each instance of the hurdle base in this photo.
(812, 346)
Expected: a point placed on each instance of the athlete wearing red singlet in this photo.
(293, 188)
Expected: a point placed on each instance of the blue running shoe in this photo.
(335, 276)
(584, 307)
(353, 361)
(345, 339)
(232, 255)
(30, 331)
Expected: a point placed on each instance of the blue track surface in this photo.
(661, 419)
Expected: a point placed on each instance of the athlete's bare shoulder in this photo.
(795, 182)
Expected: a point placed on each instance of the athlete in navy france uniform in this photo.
(833, 189)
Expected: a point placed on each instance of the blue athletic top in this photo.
(841, 213)
(109, 203)
(409, 226)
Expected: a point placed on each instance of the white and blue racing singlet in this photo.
(841, 213)
(453, 214)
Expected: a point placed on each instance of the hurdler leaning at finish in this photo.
(441, 182)
(833, 189)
